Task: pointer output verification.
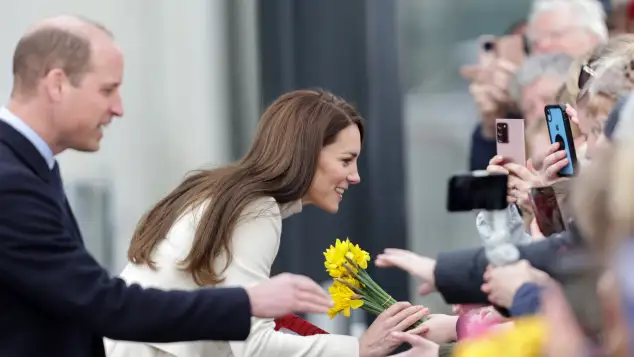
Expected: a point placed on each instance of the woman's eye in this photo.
(346, 162)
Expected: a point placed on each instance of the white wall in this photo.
(175, 97)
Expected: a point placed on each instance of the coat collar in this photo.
(24, 150)
(290, 208)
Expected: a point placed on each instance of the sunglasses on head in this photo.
(584, 76)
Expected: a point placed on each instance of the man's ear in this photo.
(55, 82)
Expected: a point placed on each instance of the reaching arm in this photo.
(49, 268)
(458, 275)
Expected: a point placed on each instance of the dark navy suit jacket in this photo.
(55, 298)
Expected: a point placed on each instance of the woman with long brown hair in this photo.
(222, 227)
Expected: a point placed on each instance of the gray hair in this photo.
(613, 72)
(589, 14)
(552, 65)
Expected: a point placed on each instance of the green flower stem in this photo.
(365, 279)
(372, 305)
(352, 287)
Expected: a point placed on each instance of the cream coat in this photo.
(255, 244)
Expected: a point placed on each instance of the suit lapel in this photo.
(25, 151)
(31, 158)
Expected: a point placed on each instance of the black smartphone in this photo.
(470, 192)
(559, 131)
(546, 209)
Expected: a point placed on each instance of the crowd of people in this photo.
(573, 284)
(198, 280)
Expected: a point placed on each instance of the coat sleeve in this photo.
(458, 275)
(255, 244)
(45, 265)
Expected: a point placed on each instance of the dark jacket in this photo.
(526, 300)
(482, 150)
(57, 301)
(458, 274)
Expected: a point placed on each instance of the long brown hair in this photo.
(281, 164)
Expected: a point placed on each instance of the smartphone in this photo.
(509, 138)
(477, 191)
(546, 209)
(487, 50)
(511, 48)
(560, 132)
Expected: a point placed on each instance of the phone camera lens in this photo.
(502, 133)
(488, 46)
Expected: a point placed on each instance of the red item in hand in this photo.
(297, 325)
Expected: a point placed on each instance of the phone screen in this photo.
(546, 208)
(560, 132)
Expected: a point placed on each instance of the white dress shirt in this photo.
(37, 141)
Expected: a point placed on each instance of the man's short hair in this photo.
(50, 47)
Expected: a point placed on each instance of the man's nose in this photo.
(117, 107)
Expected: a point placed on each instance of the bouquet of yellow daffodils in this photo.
(352, 286)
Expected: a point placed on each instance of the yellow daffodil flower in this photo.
(336, 258)
(343, 298)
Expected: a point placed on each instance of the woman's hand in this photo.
(441, 328)
(378, 341)
(420, 267)
(549, 163)
(572, 114)
(535, 232)
(421, 347)
(519, 185)
(496, 166)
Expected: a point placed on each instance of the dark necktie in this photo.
(56, 180)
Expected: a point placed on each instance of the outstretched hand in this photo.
(420, 267)
(286, 294)
(421, 347)
(377, 341)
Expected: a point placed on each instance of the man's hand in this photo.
(501, 283)
(420, 267)
(489, 89)
(286, 294)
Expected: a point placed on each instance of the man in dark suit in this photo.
(56, 300)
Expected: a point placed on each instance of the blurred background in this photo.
(199, 73)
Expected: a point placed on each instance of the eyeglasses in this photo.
(584, 76)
